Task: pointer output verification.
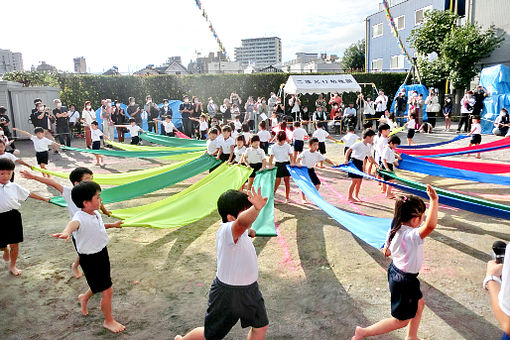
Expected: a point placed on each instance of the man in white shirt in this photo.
(466, 107)
(381, 104)
(349, 117)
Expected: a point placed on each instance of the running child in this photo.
(96, 135)
(203, 126)
(476, 134)
(255, 158)
(10, 156)
(169, 128)
(310, 158)
(349, 139)
(225, 145)
(411, 128)
(282, 154)
(359, 154)
(89, 232)
(264, 136)
(41, 146)
(11, 233)
(298, 136)
(235, 293)
(134, 131)
(389, 159)
(405, 245)
(76, 176)
(321, 136)
(380, 142)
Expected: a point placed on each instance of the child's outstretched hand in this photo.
(61, 235)
(251, 233)
(432, 193)
(255, 197)
(26, 174)
(117, 224)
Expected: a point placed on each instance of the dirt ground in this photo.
(318, 280)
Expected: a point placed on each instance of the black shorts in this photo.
(281, 169)
(96, 268)
(12, 228)
(42, 157)
(264, 146)
(228, 304)
(135, 140)
(359, 165)
(313, 176)
(298, 145)
(476, 139)
(346, 148)
(202, 134)
(256, 167)
(224, 157)
(386, 177)
(405, 293)
(96, 145)
(410, 133)
(169, 134)
(322, 147)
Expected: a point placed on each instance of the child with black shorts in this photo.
(264, 136)
(10, 156)
(310, 158)
(41, 146)
(254, 157)
(298, 137)
(202, 126)
(225, 145)
(476, 134)
(350, 138)
(239, 150)
(11, 233)
(134, 131)
(96, 135)
(321, 136)
(234, 293)
(405, 245)
(358, 154)
(89, 232)
(411, 128)
(169, 128)
(282, 154)
(389, 159)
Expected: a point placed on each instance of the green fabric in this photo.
(130, 147)
(189, 205)
(124, 177)
(443, 192)
(172, 141)
(144, 186)
(131, 154)
(264, 224)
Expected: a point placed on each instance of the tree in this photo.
(29, 78)
(427, 38)
(354, 57)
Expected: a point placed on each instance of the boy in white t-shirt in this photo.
(298, 137)
(234, 293)
(203, 125)
(168, 127)
(96, 135)
(89, 232)
(41, 146)
(264, 136)
(349, 139)
(476, 134)
(255, 158)
(225, 145)
(321, 136)
(134, 131)
(389, 159)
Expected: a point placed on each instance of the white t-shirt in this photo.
(71, 207)
(169, 126)
(382, 103)
(504, 293)
(10, 195)
(264, 135)
(360, 151)
(8, 155)
(133, 130)
(379, 146)
(388, 154)
(274, 121)
(88, 116)
(226, 145)
(237, 262)
(41, 144)
(350, 111)
(309, 159)
(73, 116)
(349, 139)
(204, 126)
(407, 249)
(238, 125)
(321, 135)
(91, 235)
(239, 152)
(411, 124)
(476, 128)
(247, 137)
(299, 134)
(96, 135)
(281, 153)
(212, 146)
(254, 156)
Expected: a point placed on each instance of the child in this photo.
(41, 145)
(89, 232)
(390, 120)
(389, 158)
(212, 142)
(203, 126)
(7, 142)
(405, 245)
(11, 233)
(274, 120)
(381, 141)
(239, 150)
(234, 292)
(298, 136)
(76, 176)
(10, 156)
(282, 154)
(134, 130)
(309, 158)
(246, 133)
(225, 145)
(411, 126)
(264, 136)
(237, 124)
(321, 136)
(357, 155)
(96, 135)
(349, 139)
(476, 137)
(169, 128)
(254, 157)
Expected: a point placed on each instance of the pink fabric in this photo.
(488, 168)
(181, 135)
(428, 152)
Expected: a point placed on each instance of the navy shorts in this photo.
(96, 268)
(256, 167)
(405, 293)
(476, 139)
(281, 169)
(410, 133)
(96, 145)
(42, 157)
(264, 146)
(313, 176)
(322, 147)
(135, 140)
(228, 304)
(224, 157)
(386, 177)
(298, 145)
(12, 230)
(359, 165)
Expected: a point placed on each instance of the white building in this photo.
(312, 63)
(80, 65)
(10, 61)
(259, 51)
(224, 67)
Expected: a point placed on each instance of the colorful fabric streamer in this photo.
(264, 224)
(371, 230)
(129, 154)
(172, 141)
(130, 147)
(496, 145)
(211, 28)
(189, 205)
(426, 146)
(394, 30)
(485, 167)
(179, 134)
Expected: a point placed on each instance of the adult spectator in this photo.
(249, 108)
(336, 104)
(279, 109)
(433, 107)
(133, 111)
(4, 124)
(400, 107)
(87, 117)
(235, 99)
(271, 102)
(447, 112)
(74, 121)
(62, 121)
(119, 118)
(262, 108)
(198, 108)
(152, 114)
(381, 104)
(186, 110)
(369, 111)
(502, 124)
(466, 108)
(321, 101)
(225, 110)
(36, 104)
(42, 118)
(320, 115)
(294, 106)
(165, 111)
(108, 124)
(479, 96)
(349, 117)
(212, 108)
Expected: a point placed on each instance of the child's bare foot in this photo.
(114, 326)
(358, 199)
(477, 157)
(352, 199)
(391, 197)
(76, 271)
(98, 164)
(7, 254)
(178, 337)
(83, 304)
(358, 333)
(15, 271)
(412, 338)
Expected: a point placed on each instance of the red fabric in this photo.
(181, 135)
(488, 168)
(428, 152)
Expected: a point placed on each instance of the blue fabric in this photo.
(466, 152)
(450, 201)
(422, 166)
(426, 146)
(496, 80)
(505, 337)
(371, 230)
(410, 88)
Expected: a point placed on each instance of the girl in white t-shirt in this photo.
(476, 134)
(411, 126)
(203, 126)
(255, 158)
(264, 136)
(405, 245)
(281, 152)
(239, 150)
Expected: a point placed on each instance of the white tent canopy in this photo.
(315, 84)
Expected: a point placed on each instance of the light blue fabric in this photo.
(421, 89)
(496, 80)
(426, 146)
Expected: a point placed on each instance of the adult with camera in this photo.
(62, 121)
(226, 111)
(466, 108)
(186, 110)
(502, 124)
(119, 118)
(88, 115)
(401, 107)
(381, 104)
(479, 95)
(433, 107)
(42, 118)
(74, 121)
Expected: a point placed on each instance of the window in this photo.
(419, 15)
(397, 62)
(400, 22)
(377, 64)
(377, 30)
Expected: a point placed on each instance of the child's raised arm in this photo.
(431, 222)
(43, 180)
(333, 139)
(113, 225)
(37, 197)
(21, 131)
(327, 160)
(247, 217)
(68, 230)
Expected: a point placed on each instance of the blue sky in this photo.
(131, 35)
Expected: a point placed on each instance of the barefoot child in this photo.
(11, 233)
(264, 136)
(282, 154)
(357, 155)
(134, 131)
(390, 158)
(405, 245)
(225, 145)
(239, 150)
(41, 146)
(321, 135)
(349, 139)
(89, 232)
(234, 292)
(411, 127)
(10, 156)
(76, 176)
(476, 137)
(254, 157)
(96, 135)
(379, 144)
(298, 136)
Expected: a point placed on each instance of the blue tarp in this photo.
(371, 230)
(409, 88)
(426, 146)
(496, 80)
